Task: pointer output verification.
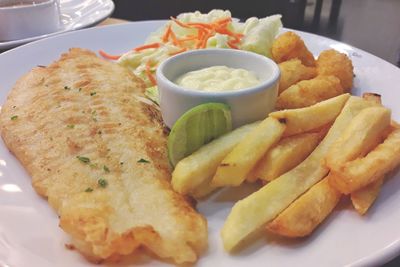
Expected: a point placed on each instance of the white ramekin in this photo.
(247, 105)
(20, 19)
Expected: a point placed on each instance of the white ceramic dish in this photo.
(29, 232)
(247, 105)
(75, 14)
(25, 18)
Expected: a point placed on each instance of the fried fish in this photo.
(98, 154)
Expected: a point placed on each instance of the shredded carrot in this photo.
(149, 74)
(223, 21)
(147, 46)
(175, 40)
(178, 52)
(108, 56)
(232, 45)
(184, 25)
(200, 25)
(188, 38)
(165, 37)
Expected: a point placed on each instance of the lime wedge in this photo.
(197, 127)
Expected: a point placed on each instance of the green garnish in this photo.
(13, 118)
(143, 161)
(79, 89)
(92, 93)
(83, 159)
(106, 169)
(67, 88)
(71, 126)
(93, 165)
(102, 182)
(89, 189)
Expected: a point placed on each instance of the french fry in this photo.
(376, 98)
(309, 118)
(363, 199)
(364, 133)
(193, 170)
(237, 164)
(259, 208)
(306, 212)
(356, 174)
(204, 189)
(286, 155)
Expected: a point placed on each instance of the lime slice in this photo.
(197, 127)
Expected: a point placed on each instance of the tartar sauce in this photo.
(218, 79)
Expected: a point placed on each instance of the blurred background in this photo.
(372, 25)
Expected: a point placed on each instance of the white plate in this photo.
(29, 232)
(75, 14)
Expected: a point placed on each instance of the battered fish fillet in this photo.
(289, 46)
(99, 155)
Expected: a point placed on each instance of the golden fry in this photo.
(259, 208)
(288, 46)
(313, 117)
(363, 199)
(193, 170)
(364, 133)
(356, 174)
(293, 71)
(307, 212)
(309, 92)
(332, 62)
(376, 98)
(238, 163)
(286, 155)
(204, 189)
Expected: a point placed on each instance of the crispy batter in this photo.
(288, 46)
(332, 62)
(84, 106)
(292, 71)
(309, 92)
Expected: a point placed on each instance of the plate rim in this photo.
(15, 43)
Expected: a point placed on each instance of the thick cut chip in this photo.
(237, 164)
(373, 97)
(197, 168)
(363, 199)
(307, 212)
(293, 71)
(287, 154)
(259, 208)
(204, 189)
(288, 46)
(306, 119)
(356, 174)
(364, 133)
(309, 92)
